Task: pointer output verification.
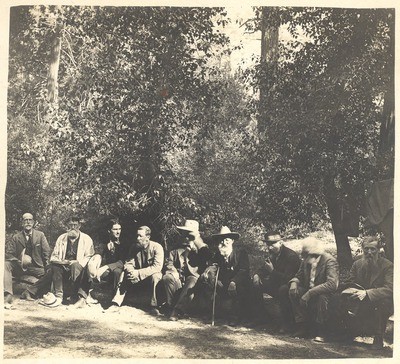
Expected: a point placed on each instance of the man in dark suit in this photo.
(234, 273)
(281, 264)
(311, 289)
(113, 256)
(27, 253)
(367, 305)
(183, 268)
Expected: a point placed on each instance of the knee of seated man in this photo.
(156, 277)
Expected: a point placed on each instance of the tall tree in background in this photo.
(326, 112)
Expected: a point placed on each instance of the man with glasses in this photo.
(70, 256)
(280, 265)
(26, 254)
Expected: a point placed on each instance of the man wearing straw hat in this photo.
(183, 268)
(27, 253)
(234, 277)
(280, 265)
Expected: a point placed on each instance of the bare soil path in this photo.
(36, 332)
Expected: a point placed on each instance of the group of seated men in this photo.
(305, 286)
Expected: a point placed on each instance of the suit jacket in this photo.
(380, 283)
(285, 267)
(236, 269)
(40, 248)
(196, 261)
(153, 259)
(326, 276)
(84, 252)
(120, 253)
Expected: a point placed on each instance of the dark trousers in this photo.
(174, 289)
(365, 317)
(269, 286)
(240, 300)
(12, 268)
(316, 310)
(74, 273)
(125, 284)
(113, 273)
(42, 285)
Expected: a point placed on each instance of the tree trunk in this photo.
(335, 212)
(386, 135)
(54, 63)
(269, 60)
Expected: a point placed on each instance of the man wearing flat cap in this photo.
(280, 265)
(183, 268)
(234, 272)
(311, 289)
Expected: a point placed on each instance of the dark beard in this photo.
(369, 264)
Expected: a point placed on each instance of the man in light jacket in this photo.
(146, 260)
(70, 256)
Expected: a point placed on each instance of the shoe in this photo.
(26, 295)
(155, 311)
(301, 330)
(176, 314)
(285, 329)
(378, 342)
(91, 301)
(113, 308)
(8, 300)
(81, 303)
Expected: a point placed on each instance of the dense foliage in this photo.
(151, 126)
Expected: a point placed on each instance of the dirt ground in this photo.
(36, 332)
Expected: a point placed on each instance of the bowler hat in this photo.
(225, 232)
(272, 237)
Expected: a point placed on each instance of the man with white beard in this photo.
(311, 289)
(70, 256)
(234, 274)
(368, 303)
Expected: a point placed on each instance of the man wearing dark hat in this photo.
(280, 265)
(368, 303)
(234, 272)
(311, 289)
(183, 268)
(27, 253)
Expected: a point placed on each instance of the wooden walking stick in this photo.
(214, 296)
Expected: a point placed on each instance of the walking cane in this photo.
(215, 294)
